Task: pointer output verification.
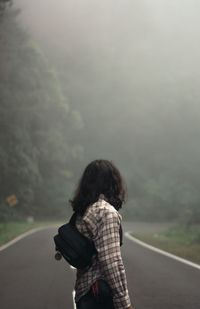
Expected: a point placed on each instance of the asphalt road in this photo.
(30, 278)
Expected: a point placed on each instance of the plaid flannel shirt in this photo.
(101, 223)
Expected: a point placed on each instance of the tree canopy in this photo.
(37, 156)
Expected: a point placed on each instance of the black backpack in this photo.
(76, 249)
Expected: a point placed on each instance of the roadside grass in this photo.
(185, 244)
(10, 230)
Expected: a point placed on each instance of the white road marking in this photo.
(175, 257)
(21, 236)
(73, 296)
(73, 292)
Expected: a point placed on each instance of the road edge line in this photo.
(73, 298)
(73, 292)
(173, 256)
(21, 236)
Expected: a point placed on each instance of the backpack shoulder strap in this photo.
(72, 220)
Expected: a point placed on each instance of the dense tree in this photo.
(135, 101)
(4, 4)
(37, 154)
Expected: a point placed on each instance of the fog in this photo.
(130, 73)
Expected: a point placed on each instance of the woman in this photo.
(98, 197)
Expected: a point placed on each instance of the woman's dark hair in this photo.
(99, 177)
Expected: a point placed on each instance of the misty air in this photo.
(99, 119)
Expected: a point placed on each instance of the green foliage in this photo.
(10, 230)
(161, 199)
(176, 241)
(36, 153)
(127, 106)
(182, 235)
(4, 4)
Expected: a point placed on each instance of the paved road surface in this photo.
(30, 278)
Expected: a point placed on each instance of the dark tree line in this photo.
(37, 155)
(4, 4)
(143, 117)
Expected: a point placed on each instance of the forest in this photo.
(98, 96)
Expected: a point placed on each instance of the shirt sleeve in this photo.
(107, 243)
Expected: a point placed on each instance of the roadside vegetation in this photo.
(177, 240)
(10, 230)
(53, 104)
(38, 156)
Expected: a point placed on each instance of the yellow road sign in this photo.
(12, 200)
